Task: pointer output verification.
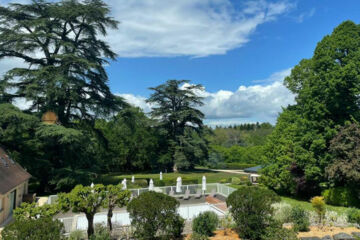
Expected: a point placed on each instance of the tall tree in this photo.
(327, 88)
(175, 105)
(63, 55)
(115, 196)
(345, 166)
(84, 199)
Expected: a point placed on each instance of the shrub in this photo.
(224, 180)
(318, 204)
(353, 215)
(42, 228)
(197, 236)
(235, 180)
(282, 212)
(205, 223)
(277, 232)
(300, 218)
(101, 233)
(251, 208)
(155, 214)
(77, 235)
(341, 196)
(159, 183)
(226, 222)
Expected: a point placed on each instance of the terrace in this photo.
(212, 199)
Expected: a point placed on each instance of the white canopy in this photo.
(203, 183)
(151, 185)
(178, 184)
(124, 184)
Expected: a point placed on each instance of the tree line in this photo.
(315, 143)
(63, 54)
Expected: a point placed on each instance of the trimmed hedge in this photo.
(341, 196)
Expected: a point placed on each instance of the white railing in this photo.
(193, 188)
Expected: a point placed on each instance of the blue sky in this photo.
(239, 50)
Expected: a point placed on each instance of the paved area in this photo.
(229, 171)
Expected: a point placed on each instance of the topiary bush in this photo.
(205, 223)
(342, 196)
(353, 215)
(42, 228)
(318, 204)
(155, 215)
(251, 208)
(235, 180)
(300, 218)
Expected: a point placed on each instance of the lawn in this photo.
(307, 205)
(169, 179)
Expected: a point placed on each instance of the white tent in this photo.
(133, 179)
(161, 178)
(151, 185)
(203, 184)
(124, 184)
(178, 184)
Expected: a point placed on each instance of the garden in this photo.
(253, 212)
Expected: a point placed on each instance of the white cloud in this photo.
(194, 28)
(256, 103)
(305, 15)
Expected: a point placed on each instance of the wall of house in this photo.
(5, 209)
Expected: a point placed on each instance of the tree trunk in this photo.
(90, 219)
(109, 216)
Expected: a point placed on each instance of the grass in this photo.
(307, 205)
(193, 177)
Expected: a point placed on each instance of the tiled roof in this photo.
(11, 173)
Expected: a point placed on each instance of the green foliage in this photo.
(155, 214)
(353, 215)
(318, 204)
(100, 233)
(34, 229)
(238, 157)
(276, 232)
(251, 208)
(68, 75)
(235, 180)
(205, 223)
(115, 197)
(180, 122)
(345, 166)
(84, 199)
(300, 219)
(31, 211)
(132, 142)
(327, 94)
(77, 235)
(342, 196)
(197, 236)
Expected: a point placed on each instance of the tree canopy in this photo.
(327, 96)
(175, 107)
(63, 55)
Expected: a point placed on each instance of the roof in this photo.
(11, 173)
(255, 169)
